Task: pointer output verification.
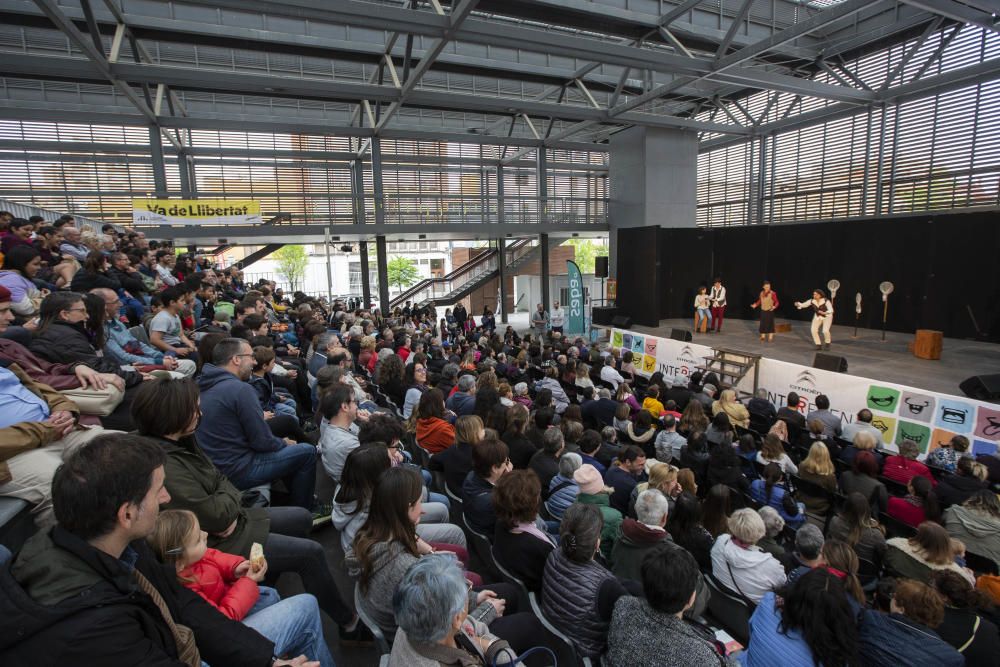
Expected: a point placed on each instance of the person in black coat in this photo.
(94, 274)
(520, 546)
(93, 594)
(956, 488)
(725, 467)
(521, 448)
(131, 281)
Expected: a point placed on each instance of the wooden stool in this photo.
(928, 344)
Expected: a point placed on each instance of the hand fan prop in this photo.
(833, 286)
(886, 289)
(857, 312)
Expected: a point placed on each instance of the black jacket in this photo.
(523, 555)
(679, 395)
(599, 413)
(956, 489)
(521, 449)
(84, 281)
(65, 343)
(65, 603)
(455, 462)
(128, 281)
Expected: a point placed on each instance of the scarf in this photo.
(532, 529)
(187, 651)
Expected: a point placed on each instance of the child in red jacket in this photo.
(229, 583)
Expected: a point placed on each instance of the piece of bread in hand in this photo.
(256, 556)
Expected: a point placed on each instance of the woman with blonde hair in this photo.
(693, 419)
(663, 478)
(780, 429)
(737, 412)
(818, 469)
(456, 461)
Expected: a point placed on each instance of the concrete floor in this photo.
(867, 356)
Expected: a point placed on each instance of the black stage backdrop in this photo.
(940, 265)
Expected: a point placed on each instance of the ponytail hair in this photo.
(580, 532)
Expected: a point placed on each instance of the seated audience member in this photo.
(415, 377)
(578, 593)
(761, 408)
(563, 489)
(818, 469)
(639, 536)
(624, 475)
(126, 350)
(739, 564)
(669, 442)
(717, 507)
(863, 478)
(271, 399)
(772, 451)
(724, 467)
(930, 549)
(490, 462)
(862, 442)
(590, 445)
(947, 455)
(515, 424)
(790, 412)
(662, 478)
(919, 505)
(808, 552)
(601, 411)
(976, 522)
(233, 433)
(650, 631)
(463, 401)
(640, 431)
(165, 330)
(720, 431)
(862, 424)
(694, 457)
(430, 606)
(456, 461)
(520, 545)
(903, 466)
(339, 438)
(968, 479)
(905, 636)
(770, 490)
(610, 375)
(686, 529)
(167, 412)
(115, 603)
(545, 461)
(969, 619)
(20, 268)
(434, 432)
(856, 526)
(831, 422)
(230, 584)
(773, 525)
(736, 411)
(651, 403)
(39, 427)
(811, 622)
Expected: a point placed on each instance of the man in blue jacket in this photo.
(463, 401)
(234, 434)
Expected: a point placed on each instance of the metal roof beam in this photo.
(958, 11)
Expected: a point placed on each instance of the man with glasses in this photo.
(340, 434)
(126, 349)
(234, 434)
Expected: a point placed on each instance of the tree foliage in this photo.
(292, 262)
(586, 251)
(402, 272)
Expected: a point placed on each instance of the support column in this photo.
(383, 275)
(358, 191)
(500, 196)
(541, 175)
(501, 244)
(543, 242)
(159, 169)
(377, 185)
(366, 287)
(184, 171)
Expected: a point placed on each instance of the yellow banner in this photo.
(196, 212)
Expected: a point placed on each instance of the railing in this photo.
(483, 264)
(27, 210)
(457, 209)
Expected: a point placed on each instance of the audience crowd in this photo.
(493, 496)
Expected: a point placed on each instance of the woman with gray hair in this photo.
(563, 489)
(742, 566)
(773, 525)
(431, 609)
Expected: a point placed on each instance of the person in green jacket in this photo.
(593, 492)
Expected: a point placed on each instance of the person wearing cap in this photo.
(822, 317)
(594, 492)
(38, 428)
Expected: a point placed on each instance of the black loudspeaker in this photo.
(601, 267)
(603, 314)
(982, 387)
(830, 362)
(622, 322)
(681, 334)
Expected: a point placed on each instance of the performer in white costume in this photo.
(822, 317)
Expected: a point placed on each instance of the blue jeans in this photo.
(286, 408)
(295, 627)
(296, 464)
(705, 313)
(268, 596)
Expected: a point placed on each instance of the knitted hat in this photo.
(589, 479)
(4, 294)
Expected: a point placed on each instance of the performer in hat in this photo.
(822, 317)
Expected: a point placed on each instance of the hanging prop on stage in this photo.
(857, 312)
(833, 286)
(886, 288)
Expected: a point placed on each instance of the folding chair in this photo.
(380, 641)
(583, 661)
(729, 610)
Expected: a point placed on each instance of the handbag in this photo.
(94, 401)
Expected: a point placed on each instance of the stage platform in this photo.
(867, 356)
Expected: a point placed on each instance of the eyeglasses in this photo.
(75, 309)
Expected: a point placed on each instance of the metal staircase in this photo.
(468, 277)
(732, 366)
(260, 253)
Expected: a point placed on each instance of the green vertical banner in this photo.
(574, 309)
